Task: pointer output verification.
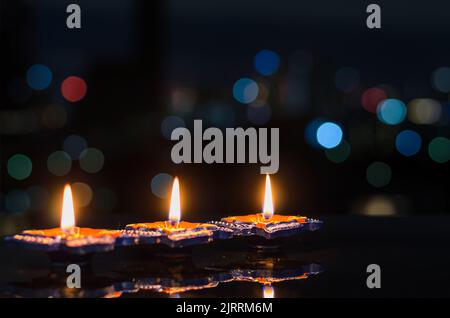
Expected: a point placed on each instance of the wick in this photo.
(174, 223)
(69, 230)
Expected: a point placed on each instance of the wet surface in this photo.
(412, 254)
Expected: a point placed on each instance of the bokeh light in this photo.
(73, 88)
(183, 99)
(408, 142)
(161, 185)
(311, 132)
(169, 124)
(92, 160)
(371, 98)
(74, 145)
(19, 167)
(17, 201)
(346, 79)
(440, 79)
(391, 111)
(439, 149)
(59, 163)
(39, 77)
(329, 135)
(266, 62)
(379, 205)
(82, 194)
(340, 153)
(259, 115)
(219, 114)
(245, 90)
(424, 111)
(379, 174)
(54, 116)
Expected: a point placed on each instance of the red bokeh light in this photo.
(73, 88)
(371, 98)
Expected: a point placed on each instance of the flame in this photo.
(68, 213)
(175, 209)
(268, 291)
(268, 203)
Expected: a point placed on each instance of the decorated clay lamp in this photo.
(268, 224)
(68, 243)
(173, 232)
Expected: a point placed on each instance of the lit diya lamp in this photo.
(267, 224)
(173, 232)
(68, 241)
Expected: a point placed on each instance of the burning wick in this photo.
(68, 213)
(268, 202)
(268, 291)
(175, 206)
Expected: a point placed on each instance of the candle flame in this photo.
(175, 206)
(268, 291)
(268, 203)
(68, 213)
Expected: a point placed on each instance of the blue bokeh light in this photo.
(39, 77)
(245, 90)
(408, 142)
(391, 111)
(267, 62)
(311, 132)
(329, 135)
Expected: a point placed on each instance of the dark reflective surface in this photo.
(329, 263)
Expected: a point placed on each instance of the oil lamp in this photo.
(68, 239)
(268, 224)
(173, 232)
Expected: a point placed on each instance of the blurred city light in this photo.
(340, 153)
(73, 88)
(266, 62)
(439, 149)
(59, 163)
(424, 111)
(391, 111)
(169, 124)
(39, 77)
(92, 160)
(245, 90)
(379, 174)
(408, 142)
(19, 166)
(329, 135)
(161, 185)
(73, 145)
(440, 79)
(371, 98)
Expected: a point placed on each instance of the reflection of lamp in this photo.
(68, 237)
(268, 291)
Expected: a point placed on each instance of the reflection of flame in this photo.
(175, 209)
(268, 203)
(68, 213)
(268, 291)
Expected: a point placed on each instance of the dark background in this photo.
(146, 60)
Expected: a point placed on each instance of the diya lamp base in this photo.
(273, 228)
(63, 247)
(178, 235)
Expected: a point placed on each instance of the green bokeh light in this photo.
(59, 163)
(439, 149)
(92, 160)
(340, 153)
(19, 167)
(379, 174)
